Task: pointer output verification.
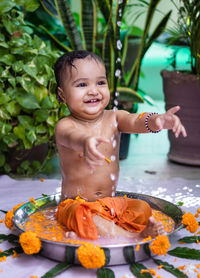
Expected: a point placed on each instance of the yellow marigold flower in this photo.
(30, 243)
(1, 220)
(91, 256)
(15, 254)
(8, 219)
(190, 222)
(17, 206)
(160, 245)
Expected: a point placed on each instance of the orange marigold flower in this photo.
(160, 245)
(190, 222)
(15, 254)
(152, 271)
(8, 219)
(32, 200)
(160, 266)
(144, 271)
(30, 243)
(198, 275)
(3, 258)
(42, 180)
(33, 276)
(147, 238)
(182, 267)
(137, 247)
(17, 206)
(1, 220)
(91, 256)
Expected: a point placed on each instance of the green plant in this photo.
(83, 33)
(28, 106)
(187, 30)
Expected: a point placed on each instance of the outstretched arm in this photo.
(144, 122)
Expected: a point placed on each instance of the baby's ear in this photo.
(60, 94)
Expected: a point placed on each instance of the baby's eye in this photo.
(82, 84)
(102, 82)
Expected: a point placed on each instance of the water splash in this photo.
(113, 158)
(112, 177)
(114, 144)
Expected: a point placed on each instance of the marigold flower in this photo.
(8, 219)
(42, 180)
(30, 243)
(17, 206)
(91, 256)
(190, 222)
(137, 247)
(160, 245)
(1, 220)
(15, 254)
(32, 200)
(3, 258)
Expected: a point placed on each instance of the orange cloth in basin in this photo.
(77, 215)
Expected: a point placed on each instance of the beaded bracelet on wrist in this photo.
(147, 125)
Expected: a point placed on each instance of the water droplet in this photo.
(113, 193)
(112, 211)
(113, 187)
(115, 124)
(116, 94)
(118, 73)
(119, 45)
(197, 185)
(119, 23)
(115, 102)
(113, 158)
(114, 143)
(112, 176)
(118, 60)
(115, 108)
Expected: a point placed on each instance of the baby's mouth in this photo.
(92, 100)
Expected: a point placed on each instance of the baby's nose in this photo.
(93, 91)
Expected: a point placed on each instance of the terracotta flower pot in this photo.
(184, 90)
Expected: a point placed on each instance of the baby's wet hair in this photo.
(67, 61)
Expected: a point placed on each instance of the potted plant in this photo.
(183, 87)
(28, 106)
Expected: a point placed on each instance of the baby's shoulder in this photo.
(63, 123)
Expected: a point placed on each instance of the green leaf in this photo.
(10, 237)
(184, 252)
(18, 66)
(127, 94)
(71, 29)
(5, 128)
(13, 108)
(4, 99)
(41, 129)
(20, 132)
(105, 273)
(129, 254)
(51, 121)
(179, 204)
(2, 159)
(9, 252)
(47, 103)
(41, 115)
(59, 268)
(28, 101)
(31, 136)
(40, 92)
(170, 268)
(26, 121)
(10, 139)
(6, 6)
(4, 211)
(31, 5)
(4, 114)
(8, 59)
(190, 239)
(136, 269)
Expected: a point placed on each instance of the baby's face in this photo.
(85, 89)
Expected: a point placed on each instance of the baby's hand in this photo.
(92, 156)
(170, 121)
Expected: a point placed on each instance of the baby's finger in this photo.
(183, 131)
(177, 131)
(174, 109)
(102, 140)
